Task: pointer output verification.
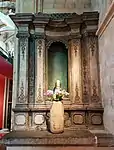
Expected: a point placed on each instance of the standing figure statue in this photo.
(57, 89)
(57, 86)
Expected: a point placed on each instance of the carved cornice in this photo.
(54, 16)
(87, 16)
(107, 19)
(90, 23)
(40, 20)
(73, 19)
(22, 18)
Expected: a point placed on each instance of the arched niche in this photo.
(57, 54)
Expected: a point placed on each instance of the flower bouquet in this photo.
(56, 95)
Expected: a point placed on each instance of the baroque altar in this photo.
(44, 42)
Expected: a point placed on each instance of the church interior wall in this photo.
(106, 58)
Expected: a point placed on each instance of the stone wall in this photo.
(52, 6)
(101, 6)
(106, 58)
(63, 6)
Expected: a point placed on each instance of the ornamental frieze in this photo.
(23, 46)
(77, 97)
(92, 44)
(39, 47)
(21, 97)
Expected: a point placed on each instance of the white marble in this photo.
(20, 119)
(39, 119)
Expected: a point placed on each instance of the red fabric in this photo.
(2, 135)
(2, 86)
(6, 68)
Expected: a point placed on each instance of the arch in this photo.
(50, 42)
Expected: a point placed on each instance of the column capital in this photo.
(39, 23)
(74, 22)
(40, 20)
(90, 23)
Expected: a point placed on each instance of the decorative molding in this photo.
(96, 119)
(92, 44)
(94, 98)
(39, 119)
(77, 97)
(107, 19)
(23, 43)
(76, 44)
(85, 72)
(39, 98)
(22, 97)
(31, 72)
(40, 47)
(78, 119)
(49, 42)
(20, 119)
(55, 16)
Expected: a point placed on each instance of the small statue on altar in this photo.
(57, 86)
(57, 90)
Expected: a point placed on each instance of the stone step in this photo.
(79, 139)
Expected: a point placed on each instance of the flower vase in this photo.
(57, 117)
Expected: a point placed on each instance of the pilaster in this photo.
(21, 118)
(76, 71)
(91, 81)
(39, 23)
(23, 65)
(75, 59)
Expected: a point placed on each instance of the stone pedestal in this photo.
(80, 139)
(57, 117)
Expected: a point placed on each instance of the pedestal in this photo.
(57, 117)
